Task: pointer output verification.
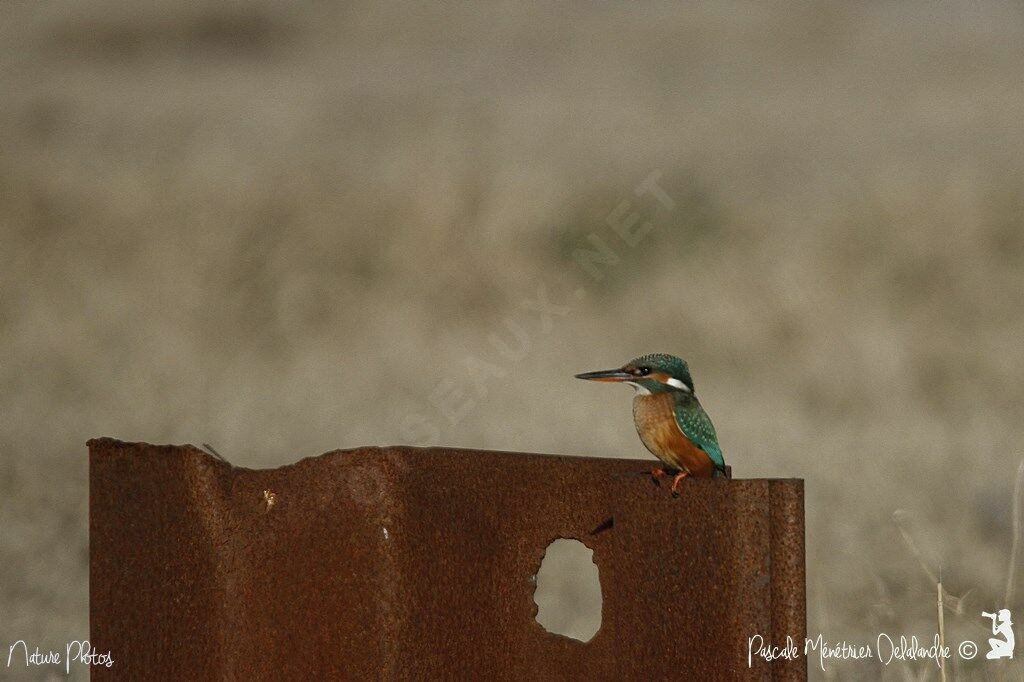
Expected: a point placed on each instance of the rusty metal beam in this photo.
(410, 563)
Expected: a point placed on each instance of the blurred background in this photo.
(284, 228)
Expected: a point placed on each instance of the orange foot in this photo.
(675, 482)
(656, 474)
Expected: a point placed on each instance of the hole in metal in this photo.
(568, 594)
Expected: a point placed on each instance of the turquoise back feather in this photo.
(696, 425)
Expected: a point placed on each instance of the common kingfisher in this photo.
(668, 417)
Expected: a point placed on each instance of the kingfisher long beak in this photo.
(606, 375)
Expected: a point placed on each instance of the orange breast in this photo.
(655, 421)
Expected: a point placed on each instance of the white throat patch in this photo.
(640, 390)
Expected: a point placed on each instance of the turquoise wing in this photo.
(695, 423)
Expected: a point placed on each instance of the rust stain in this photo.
(411, 563)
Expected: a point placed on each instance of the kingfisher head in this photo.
(654, 373)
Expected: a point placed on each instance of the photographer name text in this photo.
(887, 649)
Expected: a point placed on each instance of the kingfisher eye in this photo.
(643, 371)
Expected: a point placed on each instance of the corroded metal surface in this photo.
(409, 563)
